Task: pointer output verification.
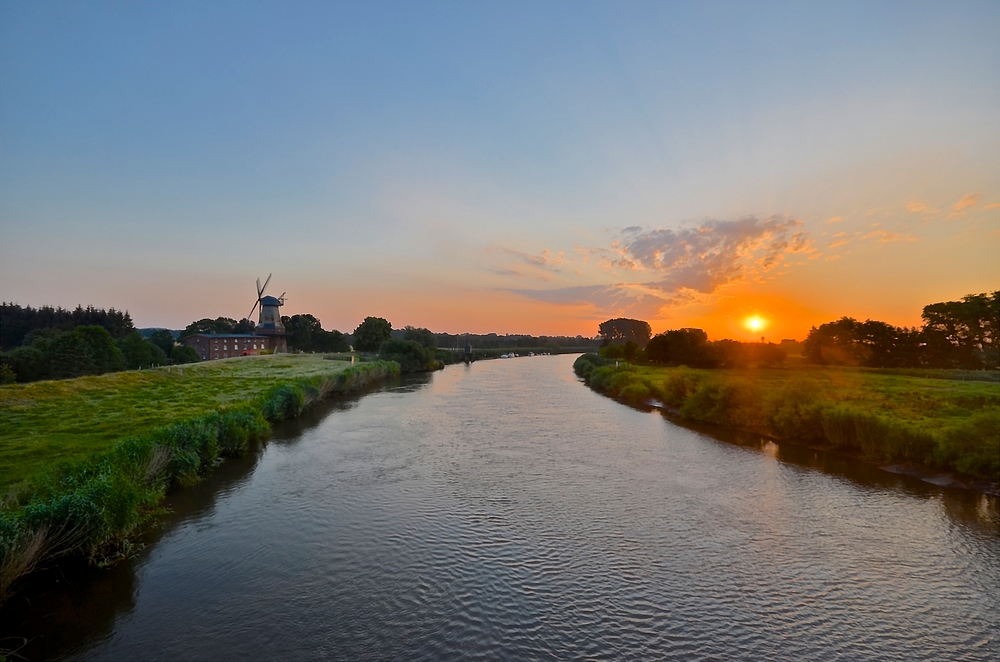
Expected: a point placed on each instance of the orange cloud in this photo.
(920, 208)
(995, 205)
(834, 219)
(967, 201)
(886, 237)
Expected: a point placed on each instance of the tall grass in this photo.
(800, 406)
(94, 507)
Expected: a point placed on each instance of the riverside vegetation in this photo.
(943, 422)
(86, 461)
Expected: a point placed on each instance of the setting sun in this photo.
(755, 323)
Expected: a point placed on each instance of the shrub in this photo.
(794, 411)
(679, 385)
(973, 446)
(409, 354)
(283, 402)
(635, 393)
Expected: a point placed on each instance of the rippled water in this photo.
(504, 511)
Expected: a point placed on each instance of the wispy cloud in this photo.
(917, 207)
(995, 205)
(620, 299)
(547, 260)
(886, 237)
(967, 201)
(834, 219)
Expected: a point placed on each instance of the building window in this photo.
(217, 355)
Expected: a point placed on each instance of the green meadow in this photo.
(43, 424)
(937, 419)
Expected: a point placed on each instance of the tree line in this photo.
(17, 322)
(632, 340)
(959, 334)
(55, 353)
(955, 334)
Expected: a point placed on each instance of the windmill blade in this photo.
(258, 288)
(282, 298)
(250, 316)
(265, 285)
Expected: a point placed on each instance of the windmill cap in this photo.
(270, 301)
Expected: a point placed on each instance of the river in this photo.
(505, 511)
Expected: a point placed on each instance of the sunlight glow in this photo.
(755, 323)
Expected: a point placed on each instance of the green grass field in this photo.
(930, 403)
(942, 419)
(43, 424)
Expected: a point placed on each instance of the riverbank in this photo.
(919, 424)
(86, 461)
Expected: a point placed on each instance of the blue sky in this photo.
(462, 166)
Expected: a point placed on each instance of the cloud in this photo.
(886, 237)
(921, 208)
(715, 253)
(995, 205)
(680, 265)
(603, 300)
(834, 219)
(967, 201)
(545, 261)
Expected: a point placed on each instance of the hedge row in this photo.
(95, 507)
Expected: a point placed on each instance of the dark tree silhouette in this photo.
(371, 333)
(620, 330)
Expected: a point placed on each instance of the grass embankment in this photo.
(932, 421)
(86, 461)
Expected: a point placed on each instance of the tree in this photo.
(620, 330)
(681, 346)
(409, 354)
(206, 325)
(420, 335)
(834, 343)
(962, 334)
(371, 333)
(140, 353)
(164, 340)
(303, 332)
(183, 354)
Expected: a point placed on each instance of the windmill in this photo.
(269, 322)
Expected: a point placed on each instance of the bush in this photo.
(283, 402)
(794, 411)
(973, 446)
(409, 354)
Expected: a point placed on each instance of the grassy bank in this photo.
(87, 460)
(931, 421)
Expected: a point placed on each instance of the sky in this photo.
(502, 167)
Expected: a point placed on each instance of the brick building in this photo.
(212, 346)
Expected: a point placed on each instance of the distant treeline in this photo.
(52, 344)
(955, 334)
(17, 322)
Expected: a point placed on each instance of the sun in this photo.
(755, 323)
